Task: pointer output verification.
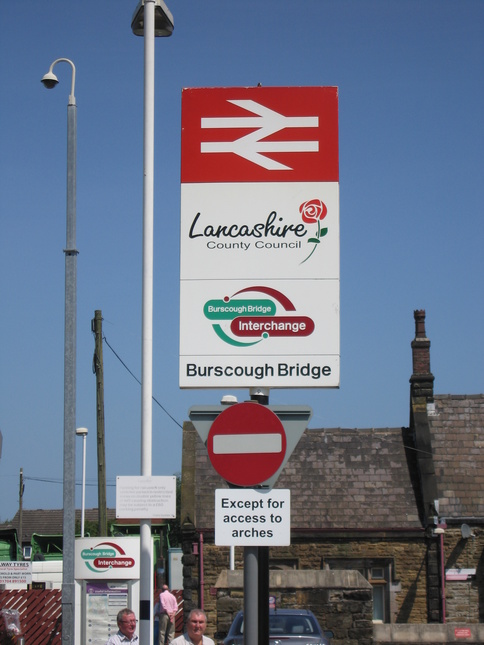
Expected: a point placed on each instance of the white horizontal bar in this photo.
(230, 444)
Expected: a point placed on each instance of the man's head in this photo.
(165, 588)
(196, 624)
(127, 622)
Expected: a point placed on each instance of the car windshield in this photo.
(290, 625)
(284, 624)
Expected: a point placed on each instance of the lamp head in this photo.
(164, 23)
(49, 80)
(81, 432)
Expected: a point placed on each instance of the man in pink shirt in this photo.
(168, 609)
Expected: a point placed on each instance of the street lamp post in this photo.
(151, 18)
(69, 482)
(82, 432)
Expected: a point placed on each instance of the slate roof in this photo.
(457, 430)
(49, 522)
(351, 479)
(339, 479)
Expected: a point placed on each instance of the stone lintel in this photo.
(291, 579)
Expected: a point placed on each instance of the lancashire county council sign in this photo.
(259, 290)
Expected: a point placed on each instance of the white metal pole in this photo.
(145, 631)
(83, 502)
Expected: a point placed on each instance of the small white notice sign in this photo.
(146, 498)
(15, 573)
(252, 517)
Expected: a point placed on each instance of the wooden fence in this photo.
(40, 613)
(179, 614)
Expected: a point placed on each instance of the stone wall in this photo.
(428, 634)
(409, 590)
(341, 600)
(464, 599)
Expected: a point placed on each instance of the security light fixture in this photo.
(49, 80)
(164, 24)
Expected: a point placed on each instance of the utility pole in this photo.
(20, 509)
(98, 369)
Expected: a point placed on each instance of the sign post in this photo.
(259, 289)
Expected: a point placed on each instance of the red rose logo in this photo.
(312, 212)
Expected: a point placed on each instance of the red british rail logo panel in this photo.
(259, 134)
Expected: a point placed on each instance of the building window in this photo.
(378, 604)
(376, 577)
(378, 572)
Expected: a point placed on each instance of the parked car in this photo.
(286, 627)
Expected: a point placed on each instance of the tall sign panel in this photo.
(259, 291)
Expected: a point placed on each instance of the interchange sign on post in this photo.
(259, 292)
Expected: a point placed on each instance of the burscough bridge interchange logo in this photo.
(255, 318)
(105, 556)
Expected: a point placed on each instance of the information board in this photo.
(103, 601)
(139, 497)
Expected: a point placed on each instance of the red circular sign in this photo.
(246, 444)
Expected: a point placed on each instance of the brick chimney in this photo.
(422, 379)
(421, 409)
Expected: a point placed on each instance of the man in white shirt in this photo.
(126, 629)
(196, 626)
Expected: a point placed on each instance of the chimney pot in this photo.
(419, 316)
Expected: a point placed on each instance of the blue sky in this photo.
(411, 93)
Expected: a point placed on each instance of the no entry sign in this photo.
(246, 444)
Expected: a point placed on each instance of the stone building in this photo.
(401, 506)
